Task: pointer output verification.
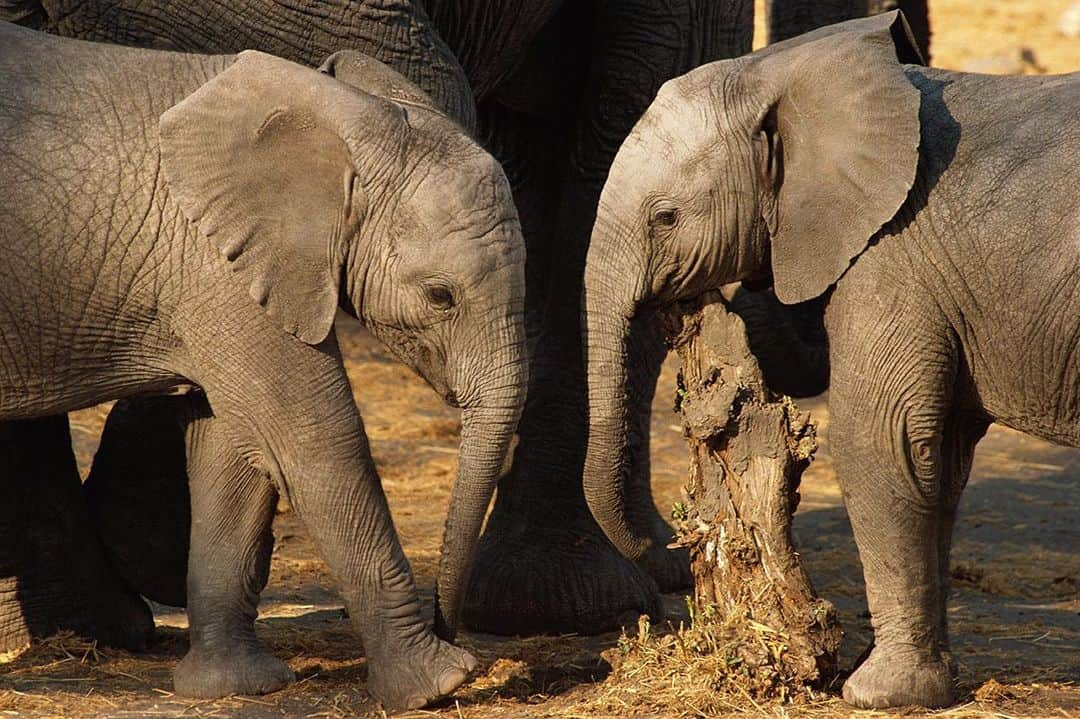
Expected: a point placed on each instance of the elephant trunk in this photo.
(612, 292)
(487, 428)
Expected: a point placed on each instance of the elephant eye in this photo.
(439, 296)
(665, 217)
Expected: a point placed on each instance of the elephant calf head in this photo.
(784, 162)
(319, 194)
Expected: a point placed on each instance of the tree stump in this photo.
(748, 447)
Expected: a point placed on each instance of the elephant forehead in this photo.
(466, 195)
(469, 242)
(677, 146)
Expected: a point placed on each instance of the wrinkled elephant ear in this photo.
(839, 122)
(259, 160)
(367, 74)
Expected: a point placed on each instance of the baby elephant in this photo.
(941, 210)
(172, 221)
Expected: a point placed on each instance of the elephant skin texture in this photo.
(556, 87)
(192, 224)
(933, 214)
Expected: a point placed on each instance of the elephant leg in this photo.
(962, 432)
(917, 13)
(53, 573)
(544, 565)
(788, 18)
(788, 342)
(891, 393)
(137, 494)
(232, 508)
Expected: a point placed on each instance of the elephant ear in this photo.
(841, 125)
(257, 159)
(367, 74)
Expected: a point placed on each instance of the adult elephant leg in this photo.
(639, 46)
(917, 13)
(544, 564)
(231, 541)
(670, 568)
(788, 18)
(137, 494)
(789, 342)
(396, 32)
(53, 573)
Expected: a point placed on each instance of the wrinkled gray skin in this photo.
(543, 563)
(919, 198)
(176, 221)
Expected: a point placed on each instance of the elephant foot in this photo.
(211, 675)
(414, 678)
(891, 679)
(557, 579)
(113, 617)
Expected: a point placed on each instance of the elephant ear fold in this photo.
(257, 160)
(841, 125)
(367, 74)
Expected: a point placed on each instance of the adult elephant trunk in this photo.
(613, 291)
(487, 428)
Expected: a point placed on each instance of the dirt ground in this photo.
(1015, 609)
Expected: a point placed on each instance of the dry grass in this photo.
(711, 666)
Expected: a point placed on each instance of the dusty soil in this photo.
(1015, 610)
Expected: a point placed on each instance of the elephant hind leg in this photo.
(53, 573)
(232, 505)
(137, 494)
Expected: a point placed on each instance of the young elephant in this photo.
(939, 209)
(171, 221)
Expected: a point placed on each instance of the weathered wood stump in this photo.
(748, 449)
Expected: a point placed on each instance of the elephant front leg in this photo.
(232, 508)
(349, 519)
(53, 574)
(886, 434)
